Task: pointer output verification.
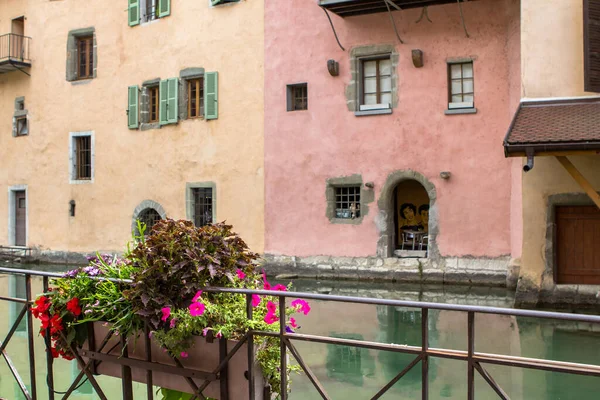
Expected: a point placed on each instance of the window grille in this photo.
(297, 97)
(195, 98)
(154, 102)
(150, 217)
(85, 65)
(83, 157)
(376, 81)
(347, 202)
(203, 206)
(461, 92)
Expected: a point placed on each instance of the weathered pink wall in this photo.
(303, 149)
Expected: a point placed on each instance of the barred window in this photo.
(83, 158)
(203, 206)
(150, 217)
(297, 97)
(347, 202)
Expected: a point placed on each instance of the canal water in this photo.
(349, 373)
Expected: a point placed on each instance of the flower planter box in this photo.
(203, 356)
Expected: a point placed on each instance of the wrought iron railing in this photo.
(15, 47)
(475, 360)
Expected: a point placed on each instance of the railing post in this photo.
(470, 351)
(149, 388)
(49, 358)
(425, 348)
(282, 349)
(249, 312)
(30, 337)
(126, 380)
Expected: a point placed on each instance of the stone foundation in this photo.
(461, 271)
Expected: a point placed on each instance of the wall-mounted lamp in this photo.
(417, 58)
(333, 67)
(445, 175)
(370, 185)
(72, 208)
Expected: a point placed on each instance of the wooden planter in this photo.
(203, 357)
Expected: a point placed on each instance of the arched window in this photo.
(149, 216)
(148, 212)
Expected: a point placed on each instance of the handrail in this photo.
(15, 47)
(475, 360)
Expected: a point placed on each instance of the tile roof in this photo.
(556, 122)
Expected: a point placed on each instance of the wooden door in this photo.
(17, 42)
(20, 219)
(578, 245)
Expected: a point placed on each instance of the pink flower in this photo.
(150, 334)
(301, 306)
(166, 311)
(266, 284)
(197, 296)
(196, 309)
(293, 323)
(271, 307)
(205, 331)
(173, 323)
(255, 300)
(219, 335)
(271, 318)
(240, 274)
(280, 287)
(184, 354)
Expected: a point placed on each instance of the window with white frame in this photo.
(460, 85)
(375, 83)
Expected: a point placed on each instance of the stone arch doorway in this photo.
(395, 200)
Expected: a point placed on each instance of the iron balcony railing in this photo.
(475, 360)
(15, 47)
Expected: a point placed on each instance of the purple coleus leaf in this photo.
(145, 299)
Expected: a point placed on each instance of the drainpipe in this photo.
(529, 166)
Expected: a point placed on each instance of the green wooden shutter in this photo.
(211, 98)
(134, 12)
(132, 107)
(163, 92)
(164, 8)
(172, 97)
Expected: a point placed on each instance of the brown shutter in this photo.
(591, 39)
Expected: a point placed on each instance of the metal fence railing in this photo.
(475, 361)
(15, 47)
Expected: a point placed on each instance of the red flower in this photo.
(54, 352)
(42, 304)
(73, 306)
(55, 324)
(45, 318)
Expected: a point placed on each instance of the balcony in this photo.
(14, 52)
(348, 8)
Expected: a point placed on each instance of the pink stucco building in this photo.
(387, 161)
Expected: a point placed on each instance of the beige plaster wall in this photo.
(552, 48)
(547, 177)
(131, 165)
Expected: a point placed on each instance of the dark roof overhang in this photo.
(556, 126)
(348, 8)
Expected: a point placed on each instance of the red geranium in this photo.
(42, 304)
(55, 324)
(54, 352)
(73, 306)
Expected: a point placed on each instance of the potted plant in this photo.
(169, 270)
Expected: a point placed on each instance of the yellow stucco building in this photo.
(556, 132)
(125, 110)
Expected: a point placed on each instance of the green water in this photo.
(349, 373)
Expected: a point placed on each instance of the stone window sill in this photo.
(85, 81)
(457, 111)
(381, 111)
(148, 126)
(347, 221)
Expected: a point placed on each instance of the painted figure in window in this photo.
(424, 214)
(354, 210)
(411, 222)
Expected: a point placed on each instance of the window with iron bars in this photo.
(203, 206)
(347, 202)
(83, 158)
(297, 97)
(150, 217)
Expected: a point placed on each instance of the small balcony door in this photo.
(20, 218)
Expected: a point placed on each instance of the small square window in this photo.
(154, 103)
(195, 98)
(22, 126)
(347, 202)
(375, 83)
(297, 97)
(83, 158)
(460, 85)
